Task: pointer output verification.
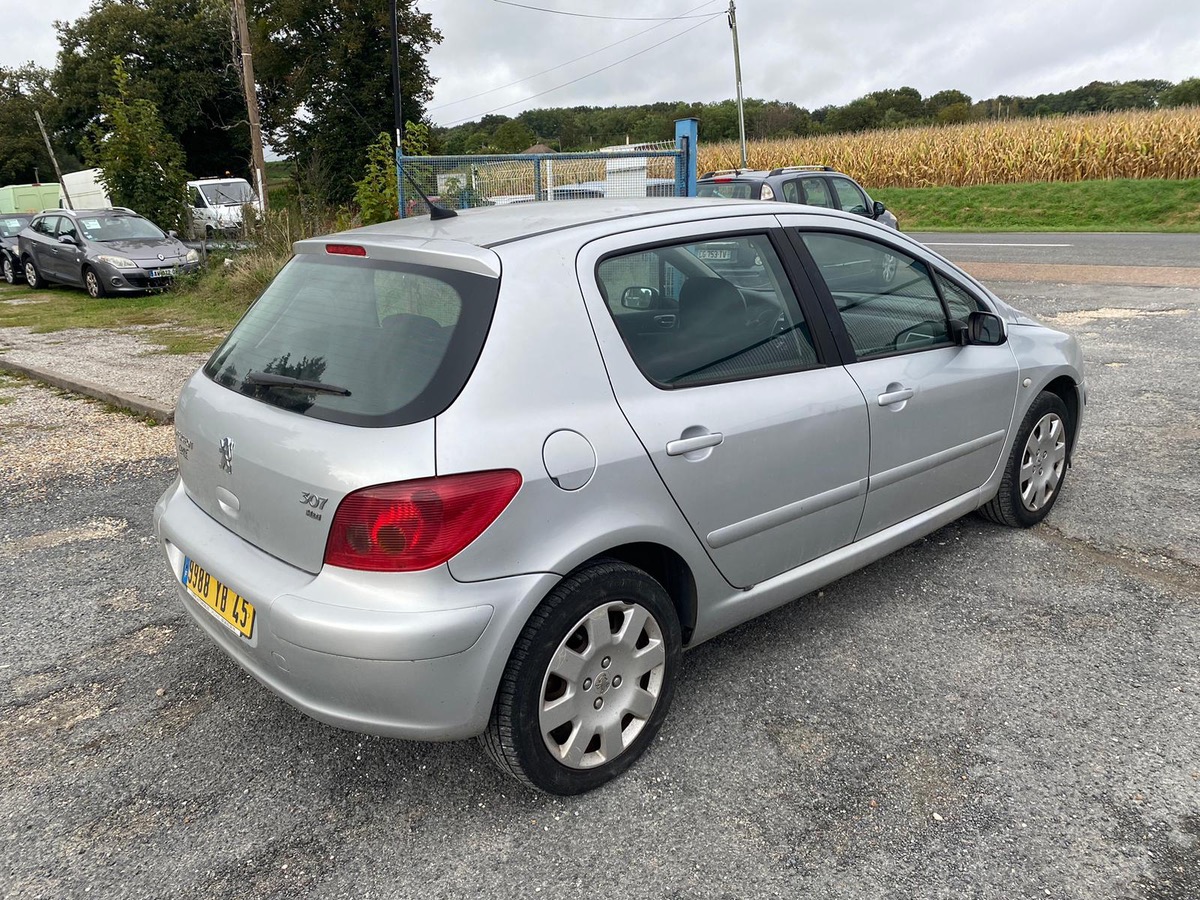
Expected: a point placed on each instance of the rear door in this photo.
(42, 246)
(761, 442)
(939, 412)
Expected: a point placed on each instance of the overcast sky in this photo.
(810, 53)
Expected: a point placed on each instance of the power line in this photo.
(561, 12)
(565, 64)
(710, 17)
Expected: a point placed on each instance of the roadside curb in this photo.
(141, 406)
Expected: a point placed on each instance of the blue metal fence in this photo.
(643, 170)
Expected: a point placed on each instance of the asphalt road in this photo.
(988, 713)
(1076, 248)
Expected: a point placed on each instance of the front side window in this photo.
(45, 225)
(960, 303)
(850, 198)
(67, 227)
(359, 342)
(687, 317)
(886, 299)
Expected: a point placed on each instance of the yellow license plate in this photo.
(229, 605)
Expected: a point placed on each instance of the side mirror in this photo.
(66, 239)
(639, 297)
(173, 233)
(879, 210)
(985, 328)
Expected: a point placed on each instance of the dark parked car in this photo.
(103, 251)
(10, 227)
(813, 185)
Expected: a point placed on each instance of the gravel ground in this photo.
(987, 713)
(123, 361)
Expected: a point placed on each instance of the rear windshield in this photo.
(730, 190)
(358, 341)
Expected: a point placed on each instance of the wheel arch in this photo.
(1066, 389)
(669, 569)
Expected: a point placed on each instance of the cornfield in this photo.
(1144, 144)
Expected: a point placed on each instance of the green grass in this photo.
(1118, 205)
(197, 313)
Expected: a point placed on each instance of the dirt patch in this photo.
(1159, 276)
(1079, 318)
(94, 530)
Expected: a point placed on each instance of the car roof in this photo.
(495, 225)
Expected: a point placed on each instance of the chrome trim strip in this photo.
(738, 531)
(925, 463)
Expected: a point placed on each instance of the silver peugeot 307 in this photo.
(490, 475)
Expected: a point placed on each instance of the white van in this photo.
(85, 189)
(217, 204)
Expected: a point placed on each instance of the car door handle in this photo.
(896, 396)
(699, 442)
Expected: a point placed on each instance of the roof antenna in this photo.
(436, 211)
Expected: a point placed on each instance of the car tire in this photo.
(93, 283)
(1036, 467)
(12, 273)
(32, 277)
(589, 681)
(888, 267)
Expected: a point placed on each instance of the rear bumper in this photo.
(413, 655)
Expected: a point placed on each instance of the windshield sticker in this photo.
(90, 223)
(12, 223)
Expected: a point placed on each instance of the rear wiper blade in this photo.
(266, 378)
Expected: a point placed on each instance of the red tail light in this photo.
(345, 249)
(414, 525)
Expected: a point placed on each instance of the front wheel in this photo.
(1036, 467)
(589, 681)
(12, 274)
(93, 283)
(34, 280)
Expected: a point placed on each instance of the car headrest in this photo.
(710, 305)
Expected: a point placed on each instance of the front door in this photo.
(763, 445)
(939, 411)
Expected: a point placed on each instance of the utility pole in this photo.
(62, 185)
(399, 116)
(737, 70)
(260, 167)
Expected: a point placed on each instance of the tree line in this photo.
(588, 127)
(166, 72)
(324, 86)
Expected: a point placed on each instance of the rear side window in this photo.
(358, 341)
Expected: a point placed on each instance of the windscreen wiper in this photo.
(287, 381)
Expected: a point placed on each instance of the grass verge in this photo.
(1150, 204)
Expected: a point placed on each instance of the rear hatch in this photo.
(329, 384)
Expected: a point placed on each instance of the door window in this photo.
(886, 299)
(719, 309)
(791, 191)
(67, 226)
(960, 303)
(816, 192)
(850, 198)
(46, 225)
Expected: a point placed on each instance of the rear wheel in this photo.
(1036, 467)
(589, 682)
(31, 275)
(93, 283)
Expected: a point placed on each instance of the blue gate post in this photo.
(400, 180)
(686, 134)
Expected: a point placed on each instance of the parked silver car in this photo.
(103, 251)
(489, 475)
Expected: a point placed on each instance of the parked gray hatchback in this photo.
(490, 475)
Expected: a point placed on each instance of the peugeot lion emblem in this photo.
(227, 455)
(161, 257)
